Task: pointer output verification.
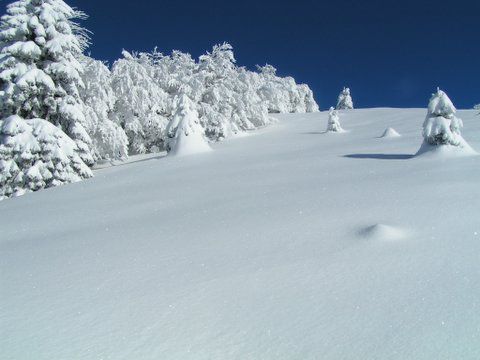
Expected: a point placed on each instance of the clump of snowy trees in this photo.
(441, 127)
(345, 101)
(62, 111)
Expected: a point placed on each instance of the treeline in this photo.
(62, 111)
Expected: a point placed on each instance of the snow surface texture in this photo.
(257, 250)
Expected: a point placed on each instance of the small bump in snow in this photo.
(390, 133)
(382, 232)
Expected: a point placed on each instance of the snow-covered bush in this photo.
(185, 134)
(333, 121)
(441, 126)
(283, 95)
(141, 106)
(40, 74)
(35, 154)
(345, 101)
(109, 139)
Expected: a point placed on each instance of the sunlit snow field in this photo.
(286, 244)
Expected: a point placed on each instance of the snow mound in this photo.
(189, 144)
(446, 151)
(383, 232)
(390, 133)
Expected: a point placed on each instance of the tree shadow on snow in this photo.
(380, 156)
(314, 133)
(110, 164)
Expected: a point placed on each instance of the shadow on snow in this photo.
(380, 156)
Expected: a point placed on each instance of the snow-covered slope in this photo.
(290, 243)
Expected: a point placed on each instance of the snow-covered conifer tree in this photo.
(333, 121)
(185, 134)
(441, 127)
(40, 75)
(344, 100)
(35, 154)
(109, 139)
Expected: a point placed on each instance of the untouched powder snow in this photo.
(288, 244)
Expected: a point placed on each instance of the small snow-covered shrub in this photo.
(185, 134)
(441, 129)
(34, 154)
(345, 101)
(333, 121)
(441, 126)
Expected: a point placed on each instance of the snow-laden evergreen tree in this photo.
(40, 75)
(441, 126)
(185, 134)
(109, 139)
(35, 154)
(345, 101)
(142, 106)
(333, 121)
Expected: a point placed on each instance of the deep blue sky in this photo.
(390, 53)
